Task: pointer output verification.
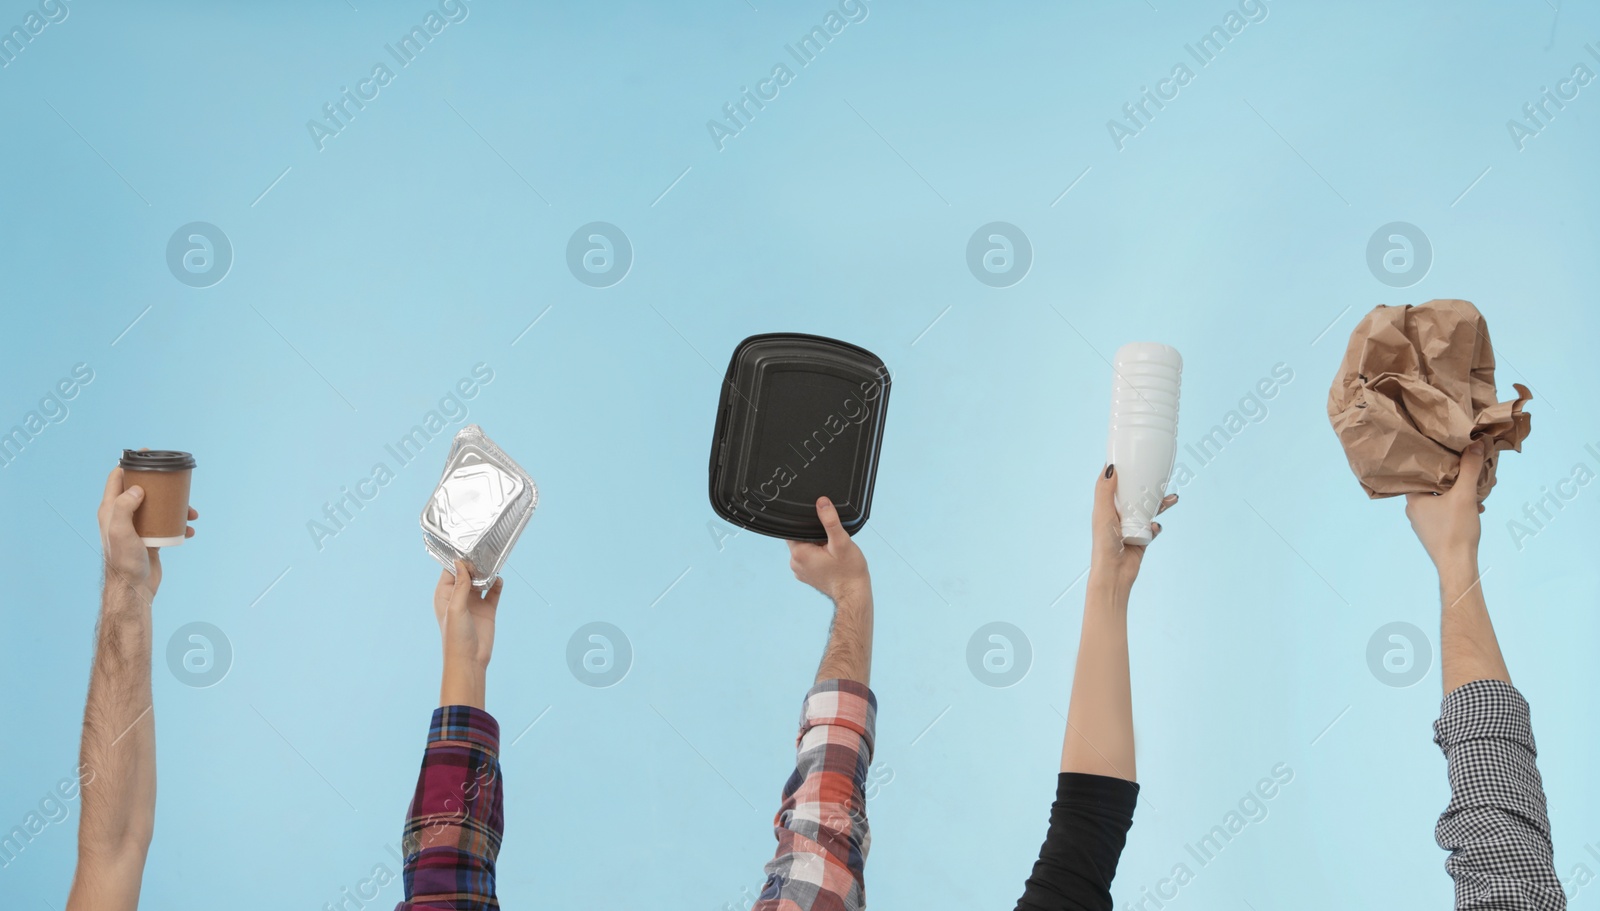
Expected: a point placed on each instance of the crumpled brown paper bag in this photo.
(1416, 386)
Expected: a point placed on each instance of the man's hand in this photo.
(1109, 558)
(838, 569)
(117, 815)
(128, 561)
(466, 627)
(1447, 523)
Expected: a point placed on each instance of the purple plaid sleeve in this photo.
(822, 824)
(452, 832)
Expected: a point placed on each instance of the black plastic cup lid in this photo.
(156, 460)
(801, 416)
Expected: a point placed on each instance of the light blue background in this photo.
(378, 271)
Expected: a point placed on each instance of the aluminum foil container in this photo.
(479, 508)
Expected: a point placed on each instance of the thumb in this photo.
(122, 508)
(491, 598)
(1471, 468)
(830, 522)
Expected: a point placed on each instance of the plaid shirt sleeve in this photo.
(1496, 828)
(822, 823)
(452, 832)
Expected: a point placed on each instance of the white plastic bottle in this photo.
(1143, 442)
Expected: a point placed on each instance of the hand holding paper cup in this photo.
(162, 519)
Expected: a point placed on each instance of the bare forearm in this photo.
(848, 655)
(117, 756)
(463, 683)
(1468, 648)
(1099, 737)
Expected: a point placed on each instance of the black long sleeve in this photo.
(1089, 825)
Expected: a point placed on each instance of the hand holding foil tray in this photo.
(479, 508)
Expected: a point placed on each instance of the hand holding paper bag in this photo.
(1415, 388)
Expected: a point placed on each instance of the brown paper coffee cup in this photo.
(164, 475)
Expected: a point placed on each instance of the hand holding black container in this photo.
(801, 416)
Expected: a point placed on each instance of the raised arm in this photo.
(117, 759)
(452, 833)
(1099, 736)
(1496, 827)
(1095, 792)
(821, 825)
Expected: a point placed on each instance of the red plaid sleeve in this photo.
(822, 824)
(452, 833)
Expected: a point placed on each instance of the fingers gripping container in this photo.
(801, 416)
(1143, 442)
(478, 509)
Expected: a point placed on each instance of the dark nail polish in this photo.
(1110, 469)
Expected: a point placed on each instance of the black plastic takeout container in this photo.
(801, 416)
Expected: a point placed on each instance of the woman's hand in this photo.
(466, 627)
(1448, 523)
(1110, 559)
